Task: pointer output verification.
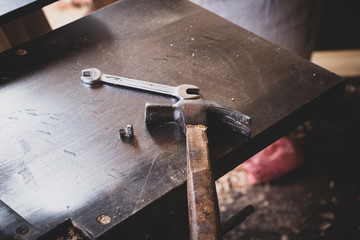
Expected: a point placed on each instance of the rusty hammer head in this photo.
(196, 112)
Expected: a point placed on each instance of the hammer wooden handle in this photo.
(203, 206)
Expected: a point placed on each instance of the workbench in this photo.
(62, 162)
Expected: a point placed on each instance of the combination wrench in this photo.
(184, 91)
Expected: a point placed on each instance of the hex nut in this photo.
(122, 133)
(130, 130)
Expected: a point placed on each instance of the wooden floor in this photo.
(63, 12)
(345, 63)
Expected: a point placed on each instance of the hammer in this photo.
(193, 116)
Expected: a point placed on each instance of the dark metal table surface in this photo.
(61, 155)
(12, 9)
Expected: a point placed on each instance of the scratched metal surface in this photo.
(61, 156)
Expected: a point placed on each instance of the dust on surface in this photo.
(71, 234)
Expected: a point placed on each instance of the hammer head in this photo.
(196, 112)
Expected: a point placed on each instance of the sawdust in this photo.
(325, 226)
(21, 52)
(328, 215)
(71, 235)
(234, 181)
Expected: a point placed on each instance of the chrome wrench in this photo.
(184, 91)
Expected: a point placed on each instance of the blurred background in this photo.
(320, 198)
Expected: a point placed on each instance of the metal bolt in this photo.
(22, 230)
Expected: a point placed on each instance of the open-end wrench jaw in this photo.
(187, 91)
(91, 75)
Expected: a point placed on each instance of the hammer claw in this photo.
(231, 114)
(236, 126)
(233, 119)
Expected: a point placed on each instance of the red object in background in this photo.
(279, 158)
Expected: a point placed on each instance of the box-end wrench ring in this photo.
(184, 91)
